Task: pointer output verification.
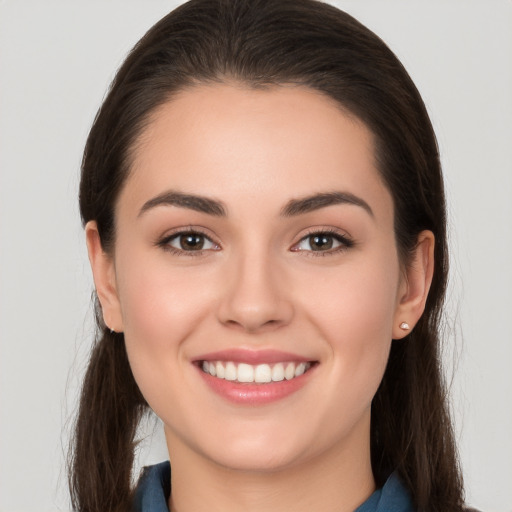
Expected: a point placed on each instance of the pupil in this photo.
(320, 242)
(192, 242)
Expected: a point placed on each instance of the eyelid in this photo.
(344, 239)
(164, 240)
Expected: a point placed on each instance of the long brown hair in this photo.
(262, 43)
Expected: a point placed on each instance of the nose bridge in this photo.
(255, 297)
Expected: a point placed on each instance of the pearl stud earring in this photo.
(404, 326)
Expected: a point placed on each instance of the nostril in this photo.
(253, 324)
(254, 298)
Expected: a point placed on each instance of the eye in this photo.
(323, 242)
(189, 241)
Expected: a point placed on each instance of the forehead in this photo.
(230, 141)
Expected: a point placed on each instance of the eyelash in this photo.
(164, 243)
(344, 241)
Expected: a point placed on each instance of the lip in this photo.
(253, 357)
(252, 394)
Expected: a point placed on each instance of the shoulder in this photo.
(392, 497)
(153, 489)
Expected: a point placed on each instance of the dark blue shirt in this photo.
(154, 489)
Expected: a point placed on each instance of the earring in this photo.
(404, 326)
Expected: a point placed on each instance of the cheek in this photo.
(354, 313)
(159, 304)
(160, 307)
(356, 303)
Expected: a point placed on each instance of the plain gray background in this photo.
(56, 60)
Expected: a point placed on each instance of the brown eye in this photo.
(321, 242)
(191, 242)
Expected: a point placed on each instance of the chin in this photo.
(260, 454)
(256, 461)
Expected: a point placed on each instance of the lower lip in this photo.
(255, 394)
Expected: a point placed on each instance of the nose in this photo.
(255, 297)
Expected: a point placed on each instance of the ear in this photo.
(415, 285)
(103, 271)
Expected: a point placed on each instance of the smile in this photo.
(255, 377)
(258, 374)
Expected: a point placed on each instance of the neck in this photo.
(338, 480)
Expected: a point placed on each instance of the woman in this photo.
(265, 220)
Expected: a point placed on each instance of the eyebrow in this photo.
(190, 201)
(292, 208)
(322, 200)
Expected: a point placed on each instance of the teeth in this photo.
(278, 372)
(261, 373)
(231, 372)
(219, 368)
(289, 373)
(245, 373)
(301, 368)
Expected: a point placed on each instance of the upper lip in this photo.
(253, 357)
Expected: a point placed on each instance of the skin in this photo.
(259, 285)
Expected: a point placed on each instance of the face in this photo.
(255, 276)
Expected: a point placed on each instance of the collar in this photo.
(154, 489)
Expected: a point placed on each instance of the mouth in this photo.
(239, 372)
(249, 377)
